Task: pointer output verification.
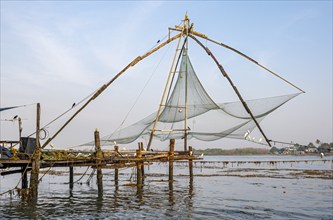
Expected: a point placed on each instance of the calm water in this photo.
(218, 191)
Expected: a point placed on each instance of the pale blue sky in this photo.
(56, 53)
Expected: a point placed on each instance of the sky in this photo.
(59, 52)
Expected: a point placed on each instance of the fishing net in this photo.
(207, 120)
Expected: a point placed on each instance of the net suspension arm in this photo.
(171, 75)
(224, 73)
(106, 85)
(168, 84)
(242, 54)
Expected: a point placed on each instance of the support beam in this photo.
(99, 157)
(35, 161)
(139, 167)
(224, 73)
(106, 85)
(240, 53)
(71, 177)
(168, 84)
(171, 155)
(190, 162)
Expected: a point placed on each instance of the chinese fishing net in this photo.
(207, 120)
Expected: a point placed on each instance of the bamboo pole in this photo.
(103, 87)
(242, 54)
(224, 73)
(164, 97)
(187, 25)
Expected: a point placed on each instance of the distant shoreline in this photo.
(246, 152)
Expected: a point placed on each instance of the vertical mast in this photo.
(187, 26)
(167, 85)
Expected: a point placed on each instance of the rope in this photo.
(90, 177)
(65, 112)
(25, 170)
(40, 179)
(144, 87)
(18, 106)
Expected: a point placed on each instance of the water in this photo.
(217, 191)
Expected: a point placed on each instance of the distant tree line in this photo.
(237, 151)
(293, 149)
(310, 148)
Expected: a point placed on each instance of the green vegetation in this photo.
(296, 149)
(325, 148)
(237, 151)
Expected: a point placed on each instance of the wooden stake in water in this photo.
(190, 161)
(71, 177)
(116, 171)
(35, 161)
(171, 155)
(99, 156)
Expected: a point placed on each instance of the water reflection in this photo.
(215, 196)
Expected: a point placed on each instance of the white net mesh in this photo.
(208, 121)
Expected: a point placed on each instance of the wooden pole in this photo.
(142, 164)
(99, 156)
(190, 162)
(240, 53)
(224, 73)
(164, 97)
(35, 161)
(116, 171)
(103, 87)
(139, 167)
(116, 179)
(171, 155)
(71, 177)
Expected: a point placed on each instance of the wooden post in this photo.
(139, 182)
(139, 167)
(116, 171)
(190, 161)
(190, 166)
(171, 154)
(116, 150)
(99, 156)
(71, 177)
(35, 161)
(116, 180)
(142, 164)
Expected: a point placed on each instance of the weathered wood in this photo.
(104, 86)
(190, 161)
(171, 158)
(116, 178)
(168, 84)
(99, 157)
(225, 74)
(139, 165)
(71, 177)
(35, 161)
